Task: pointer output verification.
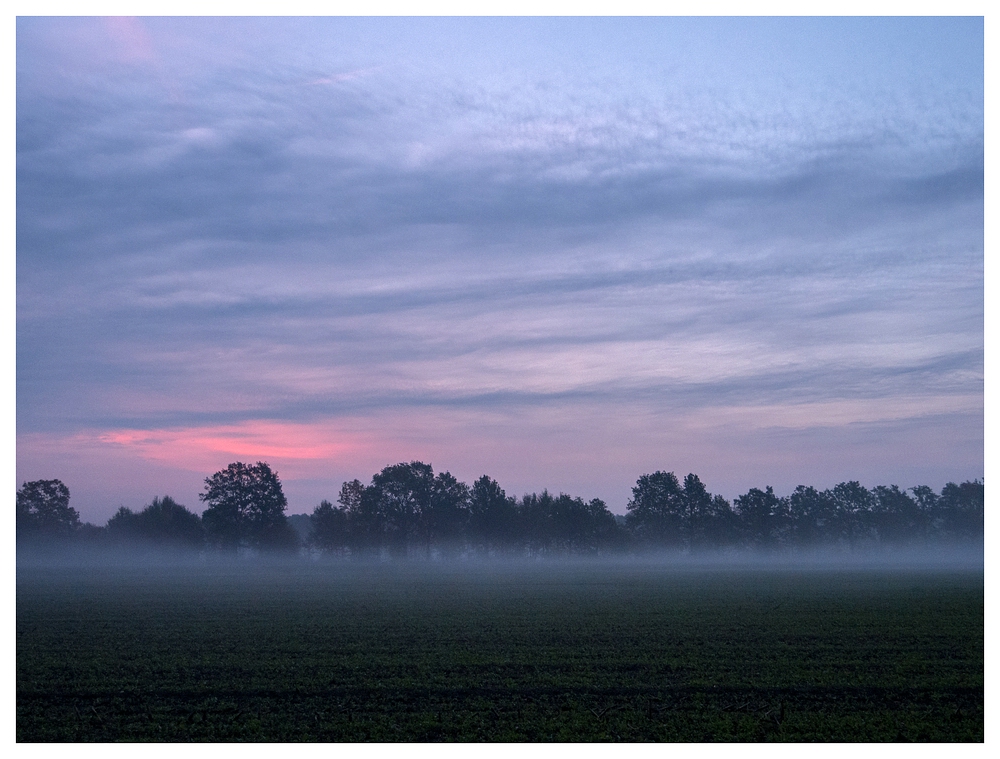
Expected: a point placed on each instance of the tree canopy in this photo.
(43, 510)
(409, 511)
(246, 508)
(164, 523)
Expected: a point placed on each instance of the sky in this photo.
(563, 252)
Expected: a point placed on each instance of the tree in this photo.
(398, 504)
(708, 520)
(350, 525)
(761, 515)
(163, 523)
(658, 509)
(607, 533)
(812, 515)
(328, 527)
(717, 526)
(926, 499)
(961, 510)
(535, 522)
(563, 524)
(43, 510)
(853, 505)
(697, 512)
(582, 527)
(897, 519)
(448, 514)
(364, 524)
(492, 517)
(246, 507)
(351, 495)
(122, 525)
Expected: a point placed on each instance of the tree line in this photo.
(409, 511)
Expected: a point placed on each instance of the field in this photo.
(541, 652)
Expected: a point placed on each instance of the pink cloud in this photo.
(133, 42)
(295, 447)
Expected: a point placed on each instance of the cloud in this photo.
(677, 230)
(196, 448)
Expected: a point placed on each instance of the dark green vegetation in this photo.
(407, 511)
(594, 652)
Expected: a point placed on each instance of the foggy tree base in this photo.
(409, 512)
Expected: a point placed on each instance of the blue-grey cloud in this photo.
(220, 220)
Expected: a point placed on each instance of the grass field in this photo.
(592, 652)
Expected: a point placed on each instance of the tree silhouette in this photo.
(709, 520)
(246, 507)
(762, 517)
(163, 523)
(365, 525)
(853, 505)
(408, 510)
(961, 511)
(896, 517)
(564, 524)
(534, 518)
(398, 505)
(492, 517)
(658, 509)
(43, 511)
(447, 516)
(328, 528)
(812, 515)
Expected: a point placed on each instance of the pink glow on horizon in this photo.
(290, 445)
